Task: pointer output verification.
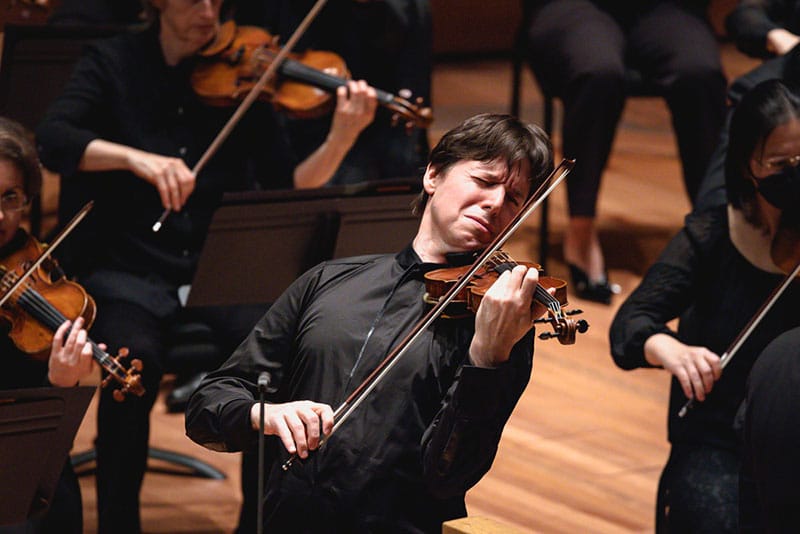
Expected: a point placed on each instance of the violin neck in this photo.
(297, 71)
(43, 311)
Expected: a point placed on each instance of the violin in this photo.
(44, 302)
(231, 65)
(466, 301)
(785, 248)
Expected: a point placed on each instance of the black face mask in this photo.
(782, 189)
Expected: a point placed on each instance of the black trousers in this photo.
(580, 52)
(698, 491)
(123, 428)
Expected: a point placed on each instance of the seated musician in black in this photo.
(70, 355)
(127, 127)
(386, 42)
(428, 432)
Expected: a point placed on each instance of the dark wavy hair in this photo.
(16, 146)
(488, 137)
(762, 109)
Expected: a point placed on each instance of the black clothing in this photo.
(768, 487)
(580, 50)
(702, 278)
(123, 91)
(386, 43)
(410, 451)
(751, 20)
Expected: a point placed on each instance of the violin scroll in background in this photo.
(232, 64)
(467, 301)
(43, 302)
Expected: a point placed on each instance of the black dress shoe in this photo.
(594, 290)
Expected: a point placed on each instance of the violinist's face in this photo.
(468, 205)
(190, 23)
(11, 185)
(780, 149)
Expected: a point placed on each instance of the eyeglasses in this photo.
(13, 200)
(779, 164)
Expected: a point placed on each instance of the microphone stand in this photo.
(263, 383)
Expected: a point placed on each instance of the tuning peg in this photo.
(136, 364)
(547, 335)
(582, 326)
(123, 352)
(119, 395)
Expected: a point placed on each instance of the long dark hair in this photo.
(488, 137)
(762, 109)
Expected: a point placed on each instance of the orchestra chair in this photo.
(636, 85)
(192, 346)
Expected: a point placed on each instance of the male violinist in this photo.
(428, 432)
(128, 126)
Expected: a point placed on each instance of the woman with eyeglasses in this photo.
(70, 353)
(714, 275)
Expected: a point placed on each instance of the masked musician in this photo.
(714, 275)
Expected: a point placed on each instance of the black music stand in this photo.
(260, 242)
(37, 427)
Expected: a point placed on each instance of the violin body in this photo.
(43, 302)
(29, 334)
(467, 301)
(232, 64)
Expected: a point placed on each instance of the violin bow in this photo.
(251, 97)
(734, 347)
(343, 412)
(47, 251)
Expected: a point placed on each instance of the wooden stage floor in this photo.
(585, 446)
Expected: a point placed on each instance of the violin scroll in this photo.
(129, 379)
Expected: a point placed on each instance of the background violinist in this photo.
(125, 131)
(714, 275)
(386, 42)
(429, 432)
(70, 357)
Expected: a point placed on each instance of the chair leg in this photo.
(197, 468)
(544, 224)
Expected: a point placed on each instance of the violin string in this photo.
(501, 257)
(52, 318)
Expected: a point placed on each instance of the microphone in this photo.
(263, 381)
(263, 384)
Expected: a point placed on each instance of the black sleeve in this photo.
(70, 123)
(218, 414)
(665, 292)
(750, 22)
(460, 444)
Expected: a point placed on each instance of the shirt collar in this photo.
(408, 258)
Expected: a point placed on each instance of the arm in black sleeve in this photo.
(460, 444)
(665, 292)
(72, 120)
(750, 22)
(218, 414)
